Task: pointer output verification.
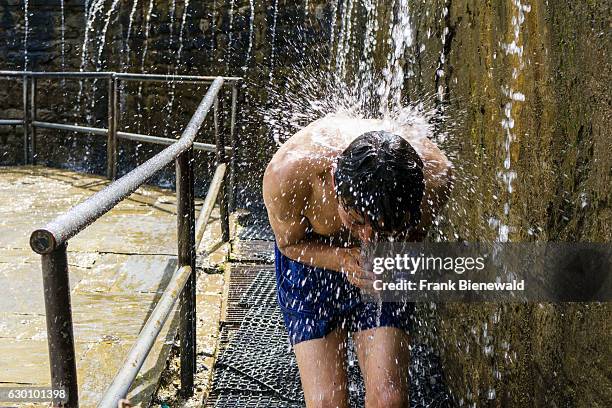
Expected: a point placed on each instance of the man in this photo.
(338, 183)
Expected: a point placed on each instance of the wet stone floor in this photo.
(119, 267)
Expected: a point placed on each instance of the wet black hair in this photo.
(380, 176)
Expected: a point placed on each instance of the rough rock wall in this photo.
(534, 354)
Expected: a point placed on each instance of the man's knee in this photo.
(328, 398)
(387, 396)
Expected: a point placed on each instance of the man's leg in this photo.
(384, 359)
(322, 370)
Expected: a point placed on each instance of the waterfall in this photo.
(390, 90)
(129, 34)
(142, 62)
(365, 83)
(182, 32)
(102, 36)
(91, 11)
(344, 40)
(251, 23)
(332, 28)
(26, 12)
(273, 40)
(63, 39)
(514, 51)
(228, 51)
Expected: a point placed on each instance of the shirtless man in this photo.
(335, 184)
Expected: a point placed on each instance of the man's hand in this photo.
(352, 267)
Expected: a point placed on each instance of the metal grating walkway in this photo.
(256, 367)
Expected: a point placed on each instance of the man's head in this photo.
(379, 182)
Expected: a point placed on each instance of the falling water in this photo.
(365, 81)
(514, 51)
(344, 41)
(332, 28)
(251, 23)
(63, 33)
(129, 34)
(230, 36)
(172, 84)
(102, 35)
(390, 90)
(91, 11)
(442, 58)
(26, 12)
(142, 62)
(147, 34)
(273, 40)
(182, 32)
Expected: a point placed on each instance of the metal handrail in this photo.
(51, 242)
(67, 225)
(127, 76)
(137, 355)
(31, 124)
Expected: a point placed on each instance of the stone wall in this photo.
(553, 139)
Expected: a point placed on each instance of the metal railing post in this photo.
(186, 257)
(232, 167)
(26, 120)
(60, 336)
(33, 97)
(221, 158)
(111, 145)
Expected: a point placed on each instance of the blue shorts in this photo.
(316, 301)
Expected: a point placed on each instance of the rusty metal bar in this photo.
(221, 158)
(111, 144)
(209, 202)
(67, 225)
(140, 350)
(26, 120)
(232, 169)
(60, 337)
(186, 257)
(122, 75)
(206, 147)
(33, 106)
(11, 122)
(71, 128)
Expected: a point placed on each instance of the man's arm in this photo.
(285, 203)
